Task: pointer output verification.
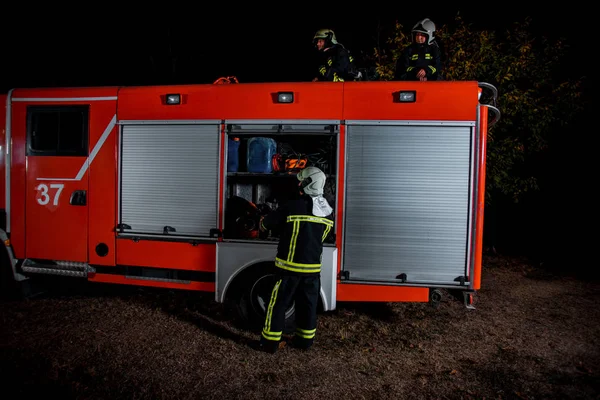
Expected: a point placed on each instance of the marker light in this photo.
(285, 97)
(173, 99)
(409, 96)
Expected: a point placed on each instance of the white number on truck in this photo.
(45, 194)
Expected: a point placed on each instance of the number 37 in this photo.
(44, 192)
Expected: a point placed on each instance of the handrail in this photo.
(489, 98)
(492, 93)
(496, 113)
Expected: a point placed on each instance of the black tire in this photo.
(253, 298)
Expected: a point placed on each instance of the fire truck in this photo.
(161, 186)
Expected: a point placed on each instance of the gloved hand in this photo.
(263, 233)
(260, 224)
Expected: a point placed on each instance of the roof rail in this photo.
(489, 98)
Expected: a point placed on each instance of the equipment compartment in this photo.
(249, 195)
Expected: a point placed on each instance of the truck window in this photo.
(57, 130)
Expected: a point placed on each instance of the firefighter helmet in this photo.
(425, 26)
(326, 34)
(312, 181)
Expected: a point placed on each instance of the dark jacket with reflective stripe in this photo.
(336, 65)
(302, 235)
(417, 56)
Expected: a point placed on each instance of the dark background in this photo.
(104, 44)
(161, 43)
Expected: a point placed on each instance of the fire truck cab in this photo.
(163, 185)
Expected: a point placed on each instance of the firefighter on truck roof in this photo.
(336, 64)
(305, 223)
(421, 60)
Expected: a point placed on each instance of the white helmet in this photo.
(327, 34)
(425, 26)
(312, 181)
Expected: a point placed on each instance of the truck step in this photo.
(62, 268)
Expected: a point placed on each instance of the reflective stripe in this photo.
(297, 267)
(306, 333)
(55, 99)
(327, 229)
(288, 263)
(293, 239)
(309, 218)
(266, 332)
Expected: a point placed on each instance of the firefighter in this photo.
(421, 60)
(305, 223)
(336, 64)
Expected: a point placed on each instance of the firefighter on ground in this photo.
(336, 64)
(304, 223)
(421, 60)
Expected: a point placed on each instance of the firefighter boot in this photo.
(268, 346)
(301, 343)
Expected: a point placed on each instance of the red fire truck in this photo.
(161, 185)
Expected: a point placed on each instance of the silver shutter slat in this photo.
(407, 202)
(170, 178)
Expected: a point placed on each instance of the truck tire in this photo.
(253, 296)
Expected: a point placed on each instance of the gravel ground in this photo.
(533, 335)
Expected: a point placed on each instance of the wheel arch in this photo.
(232, 287)
(246, 271)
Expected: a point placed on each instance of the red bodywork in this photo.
(36, 198)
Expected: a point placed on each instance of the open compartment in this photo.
(262, 165)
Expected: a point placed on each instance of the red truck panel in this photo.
(376, 100)
(178, 255)
(232, 101)
(81, 230)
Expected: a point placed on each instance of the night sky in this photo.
(99, 44)
(104, 45)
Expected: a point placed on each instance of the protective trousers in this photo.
(304, 291)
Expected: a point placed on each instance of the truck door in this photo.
(408, 211)
(169, 180)
(57, 183)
